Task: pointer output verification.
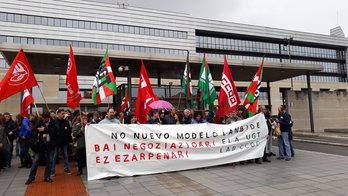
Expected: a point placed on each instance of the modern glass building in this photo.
(45, 29)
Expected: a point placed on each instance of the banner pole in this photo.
(48, 109)
(37, 111)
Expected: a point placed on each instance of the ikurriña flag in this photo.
(125, 104)
(187, 84)
(27, 100)
(104, 83)
(145, 95)
(18, 78)
(228, 97)
(73, 95)
(253, 92)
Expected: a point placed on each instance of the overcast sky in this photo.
(315, 16)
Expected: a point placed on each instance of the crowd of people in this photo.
(39, 140)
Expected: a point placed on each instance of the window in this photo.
(157, 32)
(166, 33)
(99, 26)
(104, 27)
(93, 25)
(152, 31)
(17, 18)
(136, 30)
(75, 24)
(10, 17)
(50, 42)
(142, 31)
(110, 27)
(44, 21)
(31, 20)
(115, 28)
(87, 25)
(56, 42)
(16, 40)
(63, 23)
(50, 22)
(81, 24)
(126, 29)
(57, 22)
(24, 19)
(24, 40)
(171, 34)
(69, 23)
(147, 31)
(131, 29)
(3, 17)
(120, 28)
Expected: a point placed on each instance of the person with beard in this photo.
(39, 145)
(110, 117)
(60, 136)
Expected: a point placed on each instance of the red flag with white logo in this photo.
(27, 100)
(73, 95)
(145, 96)
(228, 98)
(125, 104)
(18, 78)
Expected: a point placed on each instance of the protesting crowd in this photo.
(41, 140)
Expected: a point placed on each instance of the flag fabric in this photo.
(228, 97)
(206, 85)
(125, 104)
(104, 83)
(18, 78)
(253, 92)
(145, 95)
(187, 84)
(73, 95)
(27, 100)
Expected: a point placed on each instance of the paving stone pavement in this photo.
(309, 173)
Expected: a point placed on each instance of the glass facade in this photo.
(91, 25)
(81, 44)
(333, 60)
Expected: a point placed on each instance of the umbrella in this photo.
(160, 104)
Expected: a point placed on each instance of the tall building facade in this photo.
(45, 29)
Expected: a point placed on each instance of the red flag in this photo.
(145, 95)
(73, 95)
(27, 100)
(125, 104)
(228, 98)
(253, 92)
(18, 77)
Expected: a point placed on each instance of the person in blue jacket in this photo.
(23, 138)
(284, 120)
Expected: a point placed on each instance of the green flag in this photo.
(206, 85)
(187, 84)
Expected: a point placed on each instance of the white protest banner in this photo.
(127, 150)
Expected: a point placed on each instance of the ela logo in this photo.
(20, 74)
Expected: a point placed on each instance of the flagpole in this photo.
(179, 99)
(37, 111)
(48, 109)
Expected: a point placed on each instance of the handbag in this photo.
(277, 131)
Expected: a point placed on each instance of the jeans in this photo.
(284, 145)
(9, 149)
(64, 148)
(35, 165)
(291, 149)
(25, 157)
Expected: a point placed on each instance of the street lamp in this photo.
(288, 40)
(129, 83)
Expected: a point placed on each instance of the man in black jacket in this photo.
(39, 145)
(12, 134)
(60, 137)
